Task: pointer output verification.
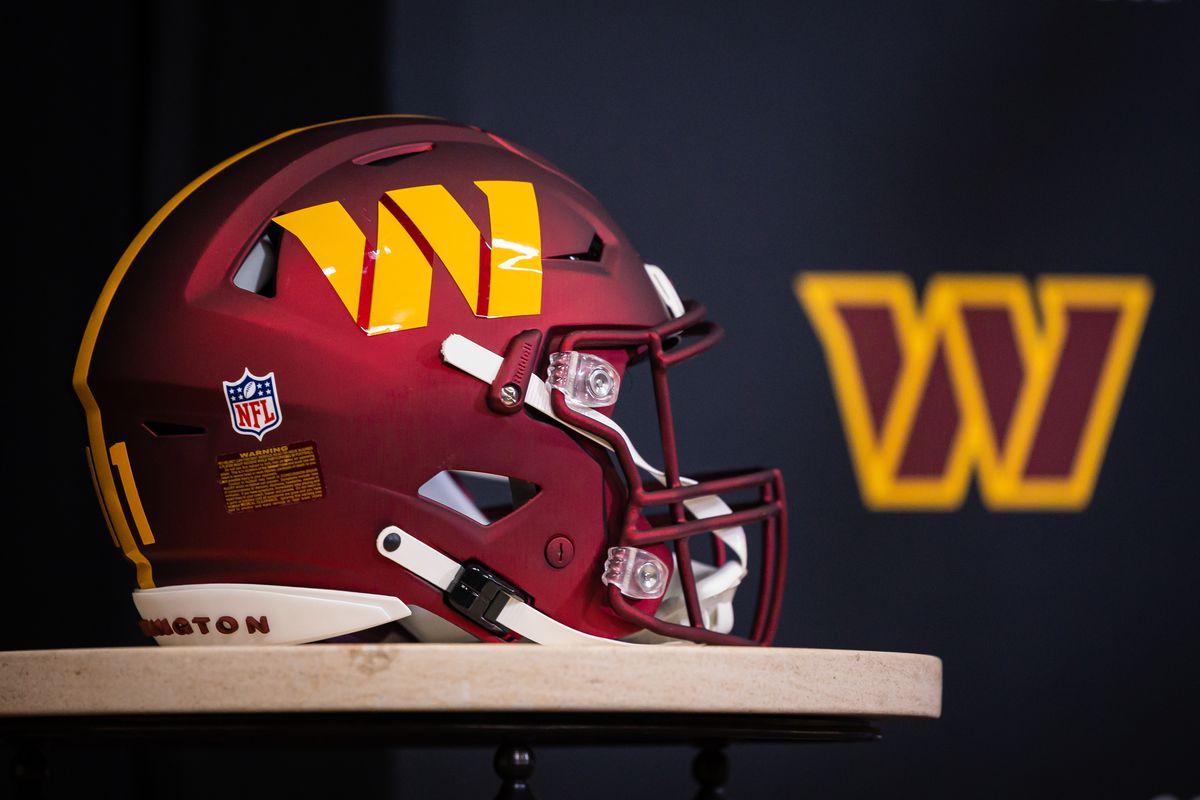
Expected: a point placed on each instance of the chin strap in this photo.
(442, 571)
(714, 585)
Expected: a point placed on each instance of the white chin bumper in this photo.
(250, 613)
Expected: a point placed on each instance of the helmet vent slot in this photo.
(594, 252)
(162, 430)
(258, 270)
(390, 155)
(482, 497)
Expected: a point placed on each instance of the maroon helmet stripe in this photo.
(485, 277)
(410, 226)
(485, 254)
(367, 286)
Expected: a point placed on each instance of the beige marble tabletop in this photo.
(483, 677)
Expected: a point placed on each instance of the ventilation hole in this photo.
(258, 270)
(480, 496)
(390, 155)
(164, 429)
(594, 252)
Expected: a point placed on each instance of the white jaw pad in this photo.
(666, 291)
(440, 570)
(252, 613)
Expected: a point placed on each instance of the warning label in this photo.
(273, 476)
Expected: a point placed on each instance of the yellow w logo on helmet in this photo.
(385, 285)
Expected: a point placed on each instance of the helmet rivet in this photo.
(648, 576)
(599, 384)
(391, 542)
(509, 394)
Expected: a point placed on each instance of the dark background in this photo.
(737, 145)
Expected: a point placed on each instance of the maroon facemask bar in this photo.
(665, 345)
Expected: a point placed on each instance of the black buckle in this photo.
(480, 595)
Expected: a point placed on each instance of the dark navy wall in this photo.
(737, 145)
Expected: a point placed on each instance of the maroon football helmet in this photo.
(361, 377)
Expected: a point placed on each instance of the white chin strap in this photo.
(715, 586)
(440, 570)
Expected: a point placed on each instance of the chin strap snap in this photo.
(475, 593)
(714, 585)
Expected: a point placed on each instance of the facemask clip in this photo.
(587, 380)
(635, 572)
(506, 394)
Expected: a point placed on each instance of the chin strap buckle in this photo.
(480, 595)
(506, 394)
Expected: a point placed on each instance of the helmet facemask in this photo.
(671, 509)
(653, 527)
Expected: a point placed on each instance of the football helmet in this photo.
(362, 375)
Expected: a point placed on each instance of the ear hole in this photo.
(258, 270)
(390, 155)
(594, 252)
(482, 497)
(166, 429)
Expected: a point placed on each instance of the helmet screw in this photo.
(391, 542)
(559, 551)
(509, 394)
(648, 576)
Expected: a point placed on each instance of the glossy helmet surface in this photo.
(306, 360)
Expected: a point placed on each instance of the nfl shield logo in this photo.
(253, 403)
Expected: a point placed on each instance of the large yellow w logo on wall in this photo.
(385, 285)
(974, 382)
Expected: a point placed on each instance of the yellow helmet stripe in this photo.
(83, 362)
